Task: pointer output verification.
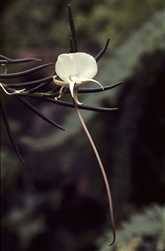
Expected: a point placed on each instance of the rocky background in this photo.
(57, 200)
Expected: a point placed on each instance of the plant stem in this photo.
(102, 170)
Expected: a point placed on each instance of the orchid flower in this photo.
(74, 70)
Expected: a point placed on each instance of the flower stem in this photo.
(102, 170)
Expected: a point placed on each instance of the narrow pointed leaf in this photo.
(92, 90)
(30, 83)
(5, 58)
(68, 104)
(18, 61)
(23, 73)
(73, 31)
(32, 90)
(9, 133)
(33, 109)
(101, 53)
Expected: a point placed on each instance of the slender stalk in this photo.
(102, 170)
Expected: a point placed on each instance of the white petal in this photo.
(84, 66)
(63, 67)
(80, 65)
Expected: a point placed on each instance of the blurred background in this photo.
(57, 200)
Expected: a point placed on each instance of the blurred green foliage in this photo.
(144, 230)
(45, 23)
(10, 168)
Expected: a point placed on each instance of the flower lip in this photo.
(79, 64)
(75, 69)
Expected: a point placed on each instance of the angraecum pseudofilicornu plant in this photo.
(72, 70)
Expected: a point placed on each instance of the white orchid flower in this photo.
(75, 69)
